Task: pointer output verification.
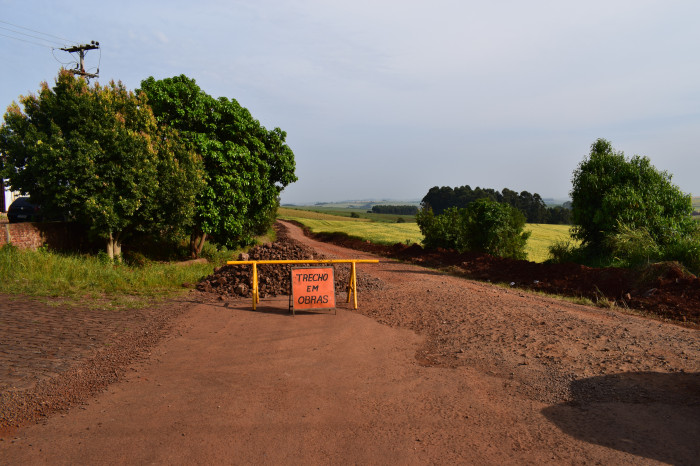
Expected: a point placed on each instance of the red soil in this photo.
(663, 289)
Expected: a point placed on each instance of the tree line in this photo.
(165, 160)
(395, 209)
(531, 205)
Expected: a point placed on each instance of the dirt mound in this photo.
(663, 289)
(274, 279)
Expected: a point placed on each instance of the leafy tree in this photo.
(246, 166)
(483, 226)
(97, 155)
(611, 193)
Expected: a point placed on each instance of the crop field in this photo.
(376, 232)
(300, 214)
(542, 237)
(360, 212)
(696, 203)
(537, 247)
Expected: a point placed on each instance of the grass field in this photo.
(360, 212)
(542, 236)
(376, 232)
(316, 214)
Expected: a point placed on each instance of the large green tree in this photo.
(96, 154)
(611, 193)
(246, 166)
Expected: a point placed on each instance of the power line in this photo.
(29, 35)
(27, 41)
(81, 49)
(53, 52)
(38, 32)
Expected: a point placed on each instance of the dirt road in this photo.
(431, 369)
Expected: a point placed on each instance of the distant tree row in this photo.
(395, 209)
(531, 205)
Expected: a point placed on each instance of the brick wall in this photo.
(22, 235)
(59, 236)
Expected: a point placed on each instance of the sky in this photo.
(386, 99)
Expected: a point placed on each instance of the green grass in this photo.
(90, 281)
(86, 279)
(286, 213)
(304, 211)
(537, 247)
(376, 232)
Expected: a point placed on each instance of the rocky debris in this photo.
(274, 279)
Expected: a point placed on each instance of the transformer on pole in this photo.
(81, 49)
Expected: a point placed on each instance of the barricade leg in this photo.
(255, 286)
(354, 285)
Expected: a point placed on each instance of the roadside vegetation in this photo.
(44, 273)
(626, 213)
(95, 280)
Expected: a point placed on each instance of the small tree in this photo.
(97, 155)
(497, 229)
(483, 226)
(610, 191)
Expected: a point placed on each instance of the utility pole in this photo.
(80, 68)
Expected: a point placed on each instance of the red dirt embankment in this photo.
(663, 289)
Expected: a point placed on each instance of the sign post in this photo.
(313, 288)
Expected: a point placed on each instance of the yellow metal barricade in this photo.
(352, 285)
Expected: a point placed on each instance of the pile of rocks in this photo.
(274, 279)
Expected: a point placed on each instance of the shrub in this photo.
(562, 251)
(633, 246)
(483, 226)
(685, 250)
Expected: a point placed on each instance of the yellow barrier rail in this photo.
(352, 286)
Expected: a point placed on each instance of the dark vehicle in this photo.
(21, 210)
